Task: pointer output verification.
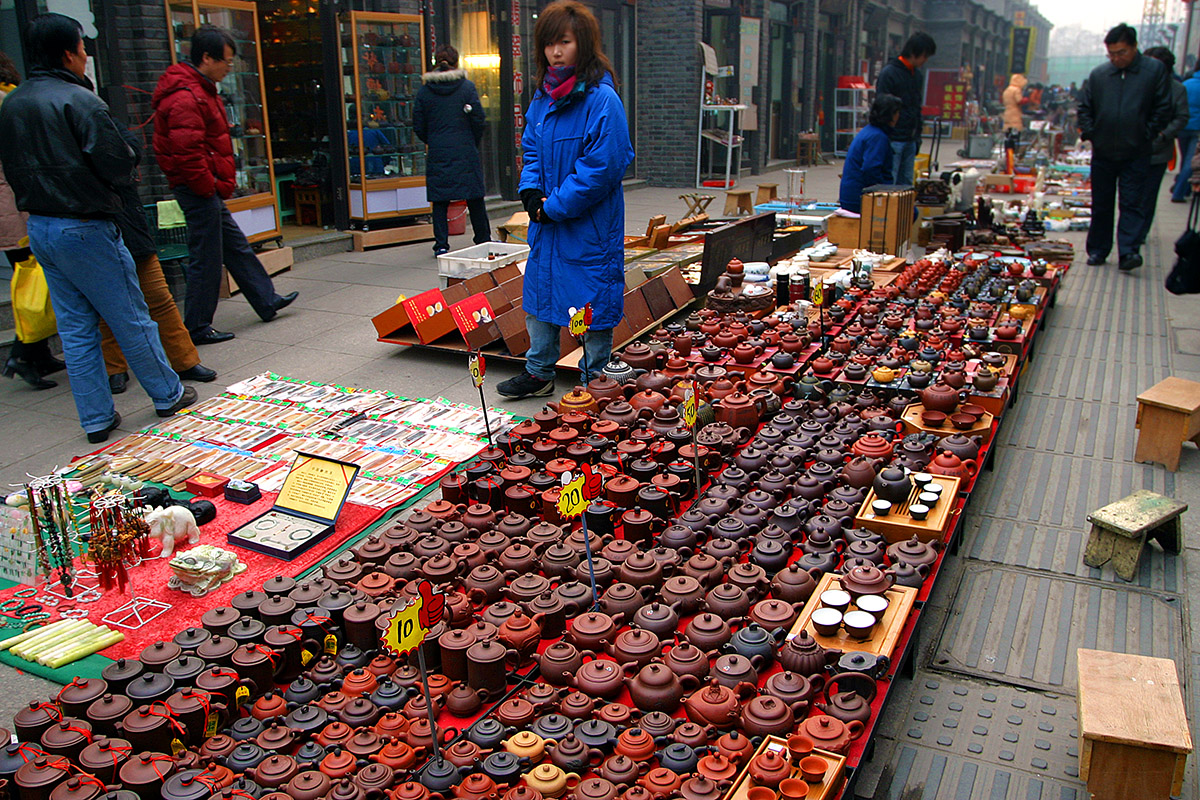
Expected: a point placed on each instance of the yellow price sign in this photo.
(404, 632)
(818, 293)
(571, 499)
(689, 404)
(477, 368)
(581, 321)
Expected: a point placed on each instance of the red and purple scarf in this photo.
(559, 81)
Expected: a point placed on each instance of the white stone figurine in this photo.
(171, 525)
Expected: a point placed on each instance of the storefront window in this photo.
(473, 34)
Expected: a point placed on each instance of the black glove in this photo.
(533, 200)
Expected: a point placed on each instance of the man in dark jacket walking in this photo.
(1164, 144)
(903, 78)
(1124, 107)
(65, 160)
(193, 147)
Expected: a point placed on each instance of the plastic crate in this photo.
(171, 242)
(475, 259)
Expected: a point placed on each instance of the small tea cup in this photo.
(762, 793)
(827, 621)
(835, 599)
(881, 508)
(793, 789)
(921, 479)
(813, 769)
(918, 511)
(799, 746)
(872, 604)
(929, 499)
(859, 624)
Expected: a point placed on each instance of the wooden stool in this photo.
(307, 197)
(807, 151)
(737, 201)
(1133, 729)
(697, 203)
(1120, 530)
(1168, 415)
(766, 193)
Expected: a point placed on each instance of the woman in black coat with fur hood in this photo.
(449, 118)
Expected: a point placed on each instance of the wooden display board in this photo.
(884, 637)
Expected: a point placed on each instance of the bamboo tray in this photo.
(912, 424)
(828, 789)
(886, 633)
(898, 526)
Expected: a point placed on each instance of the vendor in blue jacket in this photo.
(869, 159)
(576, 149)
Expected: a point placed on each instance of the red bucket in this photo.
(456, 217)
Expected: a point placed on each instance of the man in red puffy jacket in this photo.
(194, 149)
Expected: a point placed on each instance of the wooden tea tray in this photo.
(898, 526)
(828, 789)
(886, 633)
(912, 424)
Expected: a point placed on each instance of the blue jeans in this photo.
(903, 156)
(1182, 189)
(544, 348)
(92, 277)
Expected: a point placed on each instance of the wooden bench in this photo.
(1133, 728)
(738, 201)
(1120, 530)
(766, 193)
(1168, 415)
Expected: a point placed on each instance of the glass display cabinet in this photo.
(383, 57)
(254, 204)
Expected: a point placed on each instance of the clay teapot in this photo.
(830, 733)
(914, 552)
(950, 465)
(804, 655)
(717, 705)
(656, 688)
(770, 767)
(767, 716)
(848, 697)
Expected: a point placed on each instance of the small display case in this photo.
(383, 56)
(254, 204)
(305, 510)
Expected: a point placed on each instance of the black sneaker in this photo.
(1129, 262)
(118, 382)
(1095, 261)
(526, 385)
(186, 399)
(96, 437)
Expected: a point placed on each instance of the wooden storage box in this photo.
(843, 231)
(887, 218)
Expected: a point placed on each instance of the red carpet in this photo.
(150, 578)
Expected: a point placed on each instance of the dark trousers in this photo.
(479, 223)
(1150, 204)
(1130, 176)
(214, 239)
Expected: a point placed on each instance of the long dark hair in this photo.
(8, 70)
(568, 15)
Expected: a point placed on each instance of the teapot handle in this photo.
(853, 678)
(855, 728)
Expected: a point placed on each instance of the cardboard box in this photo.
(658, 297)
(843, 231)
(887, 218)
(430, 315)
(635, 276)
(498, 300)
(998, 183)
(514, 290)
(515, 229)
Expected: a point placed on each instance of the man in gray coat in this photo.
(1124, 107)
(1164, 146)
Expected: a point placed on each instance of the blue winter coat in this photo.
(1192, 85)
(868, 162)
(576, 151)
(453, 170)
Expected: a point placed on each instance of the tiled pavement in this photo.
(991, 712)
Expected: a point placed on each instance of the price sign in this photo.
(477, 368)
(689, 404)
(818, 293)
(409, 625)
(581, 320)
(571, 501)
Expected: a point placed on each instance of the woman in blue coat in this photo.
(576, 150)
(869, 159)
(449, 118)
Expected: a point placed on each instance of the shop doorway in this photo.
(473, 32)
(781, 128)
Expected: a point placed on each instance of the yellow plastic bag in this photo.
(32, 312)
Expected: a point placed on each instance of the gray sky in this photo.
(1094, 14)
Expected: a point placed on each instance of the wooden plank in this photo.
(828, 789)
(1137, 513)
(1173, 393)
(886, 633)
(1131, 699)
(386, 236)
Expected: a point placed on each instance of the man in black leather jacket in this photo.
(65, 159)
(1123, 108)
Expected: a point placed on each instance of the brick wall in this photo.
(668, 90)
